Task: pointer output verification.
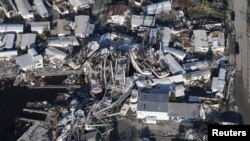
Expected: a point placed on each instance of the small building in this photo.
(197, 75)
(117, 14)
(185, 112)
(153, 102)
(7, 41)
(41, 9)
(55, 54)
(26, 40)
(61, 6)
(9, 8)
(142, 21)
(63, 42)
(31, 60)
(166, 36)
(185, 40)
(176, 79)
(83, 28)
(217, 39)
(177, 53)
(179, 90)
(40, 27)
(158, 8)
(218, 83)
(173, 66)
(197, 65)
(200, 41)
(81, 4)
(17, 28)
(9, 54)
(25, 9)
(62, 28)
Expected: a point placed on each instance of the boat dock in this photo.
(35, 111)
(54, 87)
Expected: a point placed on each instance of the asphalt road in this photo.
(242, 84)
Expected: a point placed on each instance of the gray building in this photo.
(142, 21)
(83, 28)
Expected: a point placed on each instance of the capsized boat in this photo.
(159, 69)
(138, 61)
(18, 80)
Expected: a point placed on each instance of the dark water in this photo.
(14, 99)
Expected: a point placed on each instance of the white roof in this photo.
(81, 3)
(197, 65)
(82, 26)
(40, 26)
(32, 52)
(171, 79)
(166, 36)
(8, 53)
(199, 73)
(140, 20)
(11, 28)
(24, 7)
(200, 38)
(177, 53)
(54, 52)
(179, 90)
(222, 74)
(63, 41)
(157, 8)
(7, 41)
(41, 9)
(217, 85)
(173, 65)
(26, 40)
(25, 61)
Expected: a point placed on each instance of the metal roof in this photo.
(82, 26)
(199, 73)
(222, 74)
(177, 53)
(52, 51)
(154, 99)
(8, 53)
(185, 110)
(152, 106)
(24, 61)
(7, 41)
(8, 5)
(140, 20)
(166, 36)
(41, 9)
(26, 40)
(11, 28)
(36, 26)
(157, 8)
(24, 7)
(81, 3)
(173, 65)
(171, 79)
(63, 41)
(200, 38)
(197, 65)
